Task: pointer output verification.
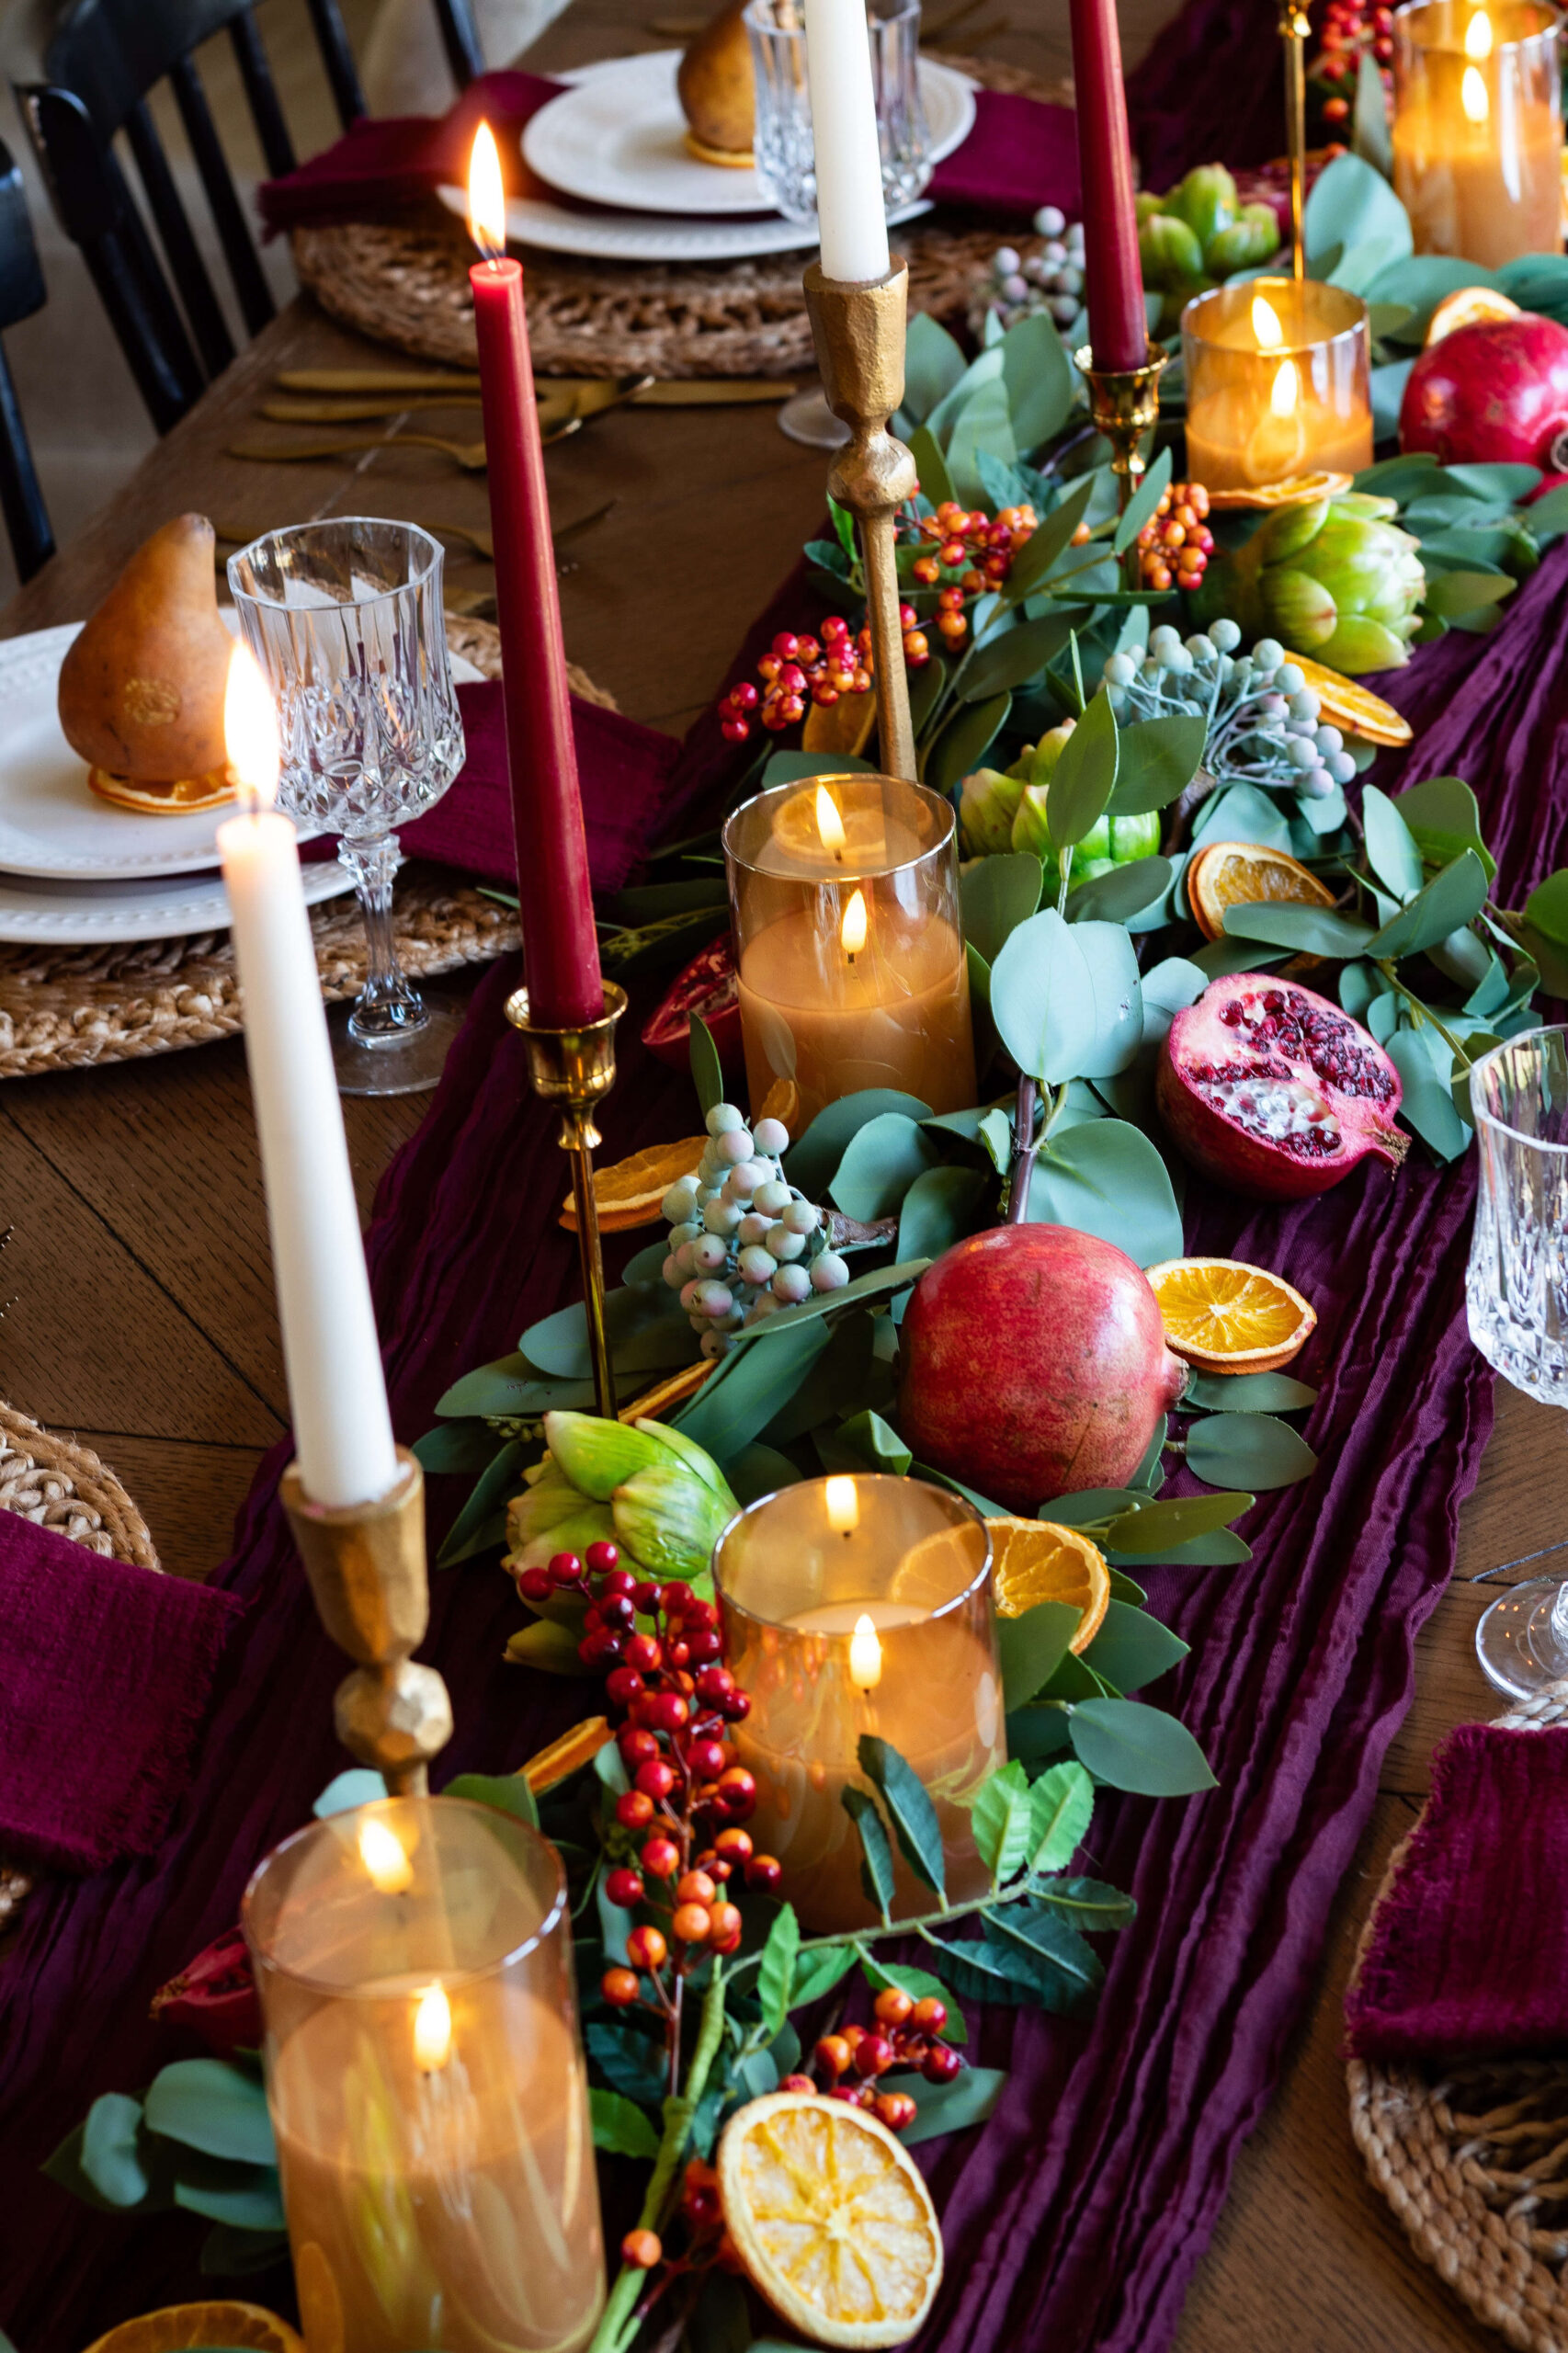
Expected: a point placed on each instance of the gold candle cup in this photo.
(1279, 382)
(799, 1577)
(845, 901)
(1478, 128)
(427, 2082)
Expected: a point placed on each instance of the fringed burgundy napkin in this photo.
(1468, 1957)
(105, 1673)
(1019, 155)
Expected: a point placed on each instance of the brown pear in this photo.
(142, 688)
(715, 87)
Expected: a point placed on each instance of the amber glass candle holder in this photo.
(859, 1605)
(1279, 382)
(1478, 128)
(427, 2082)
(844, 894)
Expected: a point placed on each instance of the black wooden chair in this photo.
(22, 293)
(82, 71)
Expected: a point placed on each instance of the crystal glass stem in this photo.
(389, 1006)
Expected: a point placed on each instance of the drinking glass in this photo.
(781, 141)
(1517, 1290)
(344, 619)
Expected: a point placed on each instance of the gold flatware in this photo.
(294, 409)
(376, 380)
(469, 455)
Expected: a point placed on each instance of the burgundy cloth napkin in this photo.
(1467, 1958)
(1019, 155)
(105, 1672)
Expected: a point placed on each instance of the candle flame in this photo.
(250, 730)
(1265, 325)
(1286, 390)
(1472, 95)
(381, 1852)
(853, 931)
(843, 1506)
(830, 824)
(865, 1655)
(1477, 36)
(432, 2030)
(486, 196)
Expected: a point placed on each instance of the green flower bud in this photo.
(1300, 610)
(1243, 241)
(596, 1455)
(1146, 204)
(987, 806)
(1048, 751)
(670, 1519)
(1332, 578)
(1171, 254)
(1206, 200)
(1030, 830)
(1356, 645)
(691, 1453)
(551, 1516)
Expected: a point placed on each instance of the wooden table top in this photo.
(141, 1315)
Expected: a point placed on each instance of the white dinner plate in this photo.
(618, 137)
(100, 913)
(653, 237)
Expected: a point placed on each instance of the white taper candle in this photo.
(850, 210)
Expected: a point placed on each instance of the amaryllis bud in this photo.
(596, 1455)
(988, 803)
(1333, 578)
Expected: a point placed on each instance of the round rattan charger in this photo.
(405, 283)
(1473, 2158)
(64, 1486)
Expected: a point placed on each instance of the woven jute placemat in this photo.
(63, 1008)
(60, 1485)
(406, 284)
(1473, 2159)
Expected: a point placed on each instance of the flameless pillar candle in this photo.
(560, 945)
(427, 2083)
(342, 1428)
(1279, 382)
(1478, 128)
(854, 1606)
(851, 215)
(1113, 274)
(844, 897)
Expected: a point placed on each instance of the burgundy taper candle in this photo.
(1113, 274)
(561, 951)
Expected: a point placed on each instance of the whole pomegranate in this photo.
(1495, 392)
(1033, 1363)
(1271, 1089)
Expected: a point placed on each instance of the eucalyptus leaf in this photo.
(1090, 1506)
(812, 1158)
(1040, 551)
(213, 2105)
(1133, 1649)
(1315, 931)
(880, 1162)
(963, 743)
(1451, 594)
(1247, 1393)
(1041, 998)
(1112, 964)
(1428, 1103)
(865, 1443)
(1243, 812)
(1013, 658)
(248, 2198)
(1453, 897)
(726, 1415)
(1141, 506)
(926, 451)
(111, 2154)
(940, 1206)
(1393, 850)
(969, 2099)
(1224, 1448)
(933, 364)
(1156, 760)
(984, 423)
(876, 1853)
(647, 1334)
(1107, 1178)
(1136, 1748)
(1444, 817)
(1085, 776)
(995, 895)
(909, 1808)
(502, 1792)
(1370, 138)
(1351, 204)
(1124, 892)
(357, 1785)
(1546, 907)
(1031, 1646)
(512, 1386)
(1040, 379)
(1150, 1533)
(706, 1074)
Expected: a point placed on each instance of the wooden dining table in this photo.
(139, 1312)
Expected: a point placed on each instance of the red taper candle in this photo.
(1113, 274)
(561, 951)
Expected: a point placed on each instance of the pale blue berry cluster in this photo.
(744, 1241)
(1012, 286)
(1264, 723)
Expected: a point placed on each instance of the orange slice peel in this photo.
(1038, 1560)
(1294, 490)
(174, 2327)
(550, 1767)
(1344, 703)
(1467, 306)
(1241, 874)
(629, 1193)
(1225, 1316)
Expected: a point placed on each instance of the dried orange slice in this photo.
(175, 2327)
(1294, 490)
(843, 727)
(628, 1194)
(566, 1756)
(1344, 703)
(831, 2219)
(781, 1102)
(1240, 874)
(1225, 1316)
(674, 1389)
(1464, 307)
(1035, 1560)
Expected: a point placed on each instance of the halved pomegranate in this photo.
(708, 986)
(215, 1994)
(1268, 1088)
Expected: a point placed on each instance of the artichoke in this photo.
(649, 1489)
(989, 801)
(1206, 200)
(1332, 578)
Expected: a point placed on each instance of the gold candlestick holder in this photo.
(574, 1069)
(1125, 405)
(858, 331)
(1294, 28)
(365, 1566)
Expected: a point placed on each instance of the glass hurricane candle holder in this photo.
(844, 895)
(858, 1605)
(1478, 128)
(1279, 382)
(427, 2082)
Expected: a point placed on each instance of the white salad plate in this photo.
(103, 913)
(618, 137)
(653, 236)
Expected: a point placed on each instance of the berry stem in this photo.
(1423, 1012)
(1024, 1149)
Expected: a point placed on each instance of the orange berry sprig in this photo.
(970, 541)
(1176, 543)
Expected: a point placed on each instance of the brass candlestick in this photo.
(365, 1565)
(859, 333)
(1294, 28)
(1125, 405)
(575, 1069)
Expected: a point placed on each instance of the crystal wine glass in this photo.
(344, 618)
(1517, 1290)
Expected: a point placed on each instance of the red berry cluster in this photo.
(1348, 28)
(797, 669)
(906, 2034)
(1177, 543)
(703, 2215)
(969, 540)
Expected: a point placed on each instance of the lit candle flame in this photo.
(432, 2030)
(843, 1506)
(830, 824)
(1472, 95)
(250, 730)
(381, 1852)
(1286, 390)
(486, 196)
(1477, 36)
(1265, 325)
(865, 1655)
(853, 932)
